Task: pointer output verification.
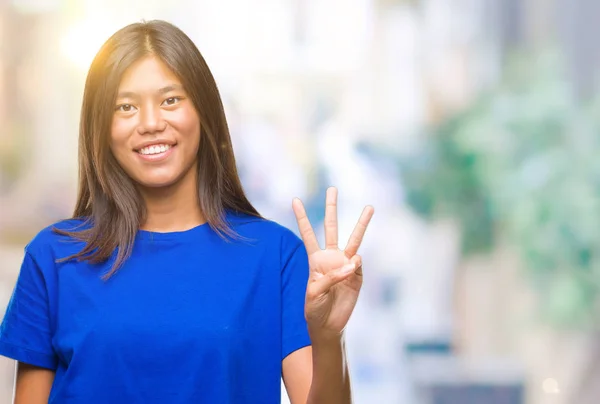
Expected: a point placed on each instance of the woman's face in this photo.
(155, 131)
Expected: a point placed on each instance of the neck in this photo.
(173, 208)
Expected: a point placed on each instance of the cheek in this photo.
(187, 122)
(193, 133)
(118, 136)
(119, 147)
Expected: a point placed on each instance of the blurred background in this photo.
(470, 125)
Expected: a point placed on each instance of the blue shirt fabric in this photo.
(189, 318)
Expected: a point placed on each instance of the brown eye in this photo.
(171, 101)
(125, 108)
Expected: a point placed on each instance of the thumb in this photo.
(357, 260)
(324, 283)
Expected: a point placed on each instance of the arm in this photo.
(297, 373)
(26, 332)
(318, 374)
(331, 379)
(335, 280)
(33, 384)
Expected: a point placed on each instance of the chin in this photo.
(163, 177)
(160, 182)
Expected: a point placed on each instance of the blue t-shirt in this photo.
(189, 318)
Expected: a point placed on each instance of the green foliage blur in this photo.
(522, 165)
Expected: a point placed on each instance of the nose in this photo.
(151, 121)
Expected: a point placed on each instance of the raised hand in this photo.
(335, 275)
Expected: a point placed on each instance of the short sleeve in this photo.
(293, 289)
(25, 332)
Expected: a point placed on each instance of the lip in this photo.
(156, 157)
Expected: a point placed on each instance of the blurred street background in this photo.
(472, 126)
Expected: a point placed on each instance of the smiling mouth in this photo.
(155, 153)
(155, 149)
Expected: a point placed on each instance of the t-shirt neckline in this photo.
(173, 235)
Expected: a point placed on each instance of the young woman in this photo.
(167, 286)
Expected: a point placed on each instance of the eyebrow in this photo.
(161, 91)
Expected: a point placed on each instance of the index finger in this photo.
(305, 228)
(359, 231)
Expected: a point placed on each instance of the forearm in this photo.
(330, 379)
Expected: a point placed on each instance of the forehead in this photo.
(148, 73)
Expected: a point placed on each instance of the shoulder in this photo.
(265, 230)
(50, 243)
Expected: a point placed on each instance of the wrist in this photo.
(320, 337)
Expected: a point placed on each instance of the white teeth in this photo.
(156, 149)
